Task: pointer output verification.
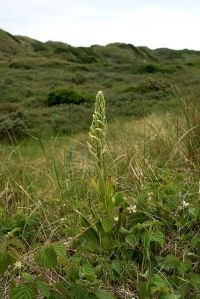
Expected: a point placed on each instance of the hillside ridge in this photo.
(14, 45)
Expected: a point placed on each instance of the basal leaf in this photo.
(60, 250)
(158, 281)
(23, 291)
(87, 272)
(46, 257)
(119, 200)
(158, 236)
(79, 291)
(170, 262)
(5, 260)
(42, 287)
(117, 266)
(132, 239)
(107, 224)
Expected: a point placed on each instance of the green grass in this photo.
(119, 219)
(119, 223)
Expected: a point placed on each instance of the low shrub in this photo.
(21, 64)
(8, 107)
(38, 46)
(148, 86)
(27, 63)
(156, 68)
(157, 84)
(15, 123)
(65, 96)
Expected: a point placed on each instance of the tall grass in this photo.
(119, 220)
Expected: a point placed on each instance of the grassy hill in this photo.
(135, 80)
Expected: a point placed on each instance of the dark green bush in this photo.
(156, 68)
(65, 96)
(38, 46)
(150, 68)
(84, 55)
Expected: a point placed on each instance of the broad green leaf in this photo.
(119, 200)
(159, 281)
(123, 230)
(60, 249)
(170, 262)
(27, 277)
(195, 281)
(23, 291)
(145, 224)
(42, 287)
(117, 266)
(79, 291)
(93, 242)
(103, 294)
(132, 239)
(107, 242)
(196, 242)
(107, 224)
(46, 257)
(193, 211)
(158, 236)
(5, 260)
(183, 267)
(87, 272)
(91, 234)
(63, 289)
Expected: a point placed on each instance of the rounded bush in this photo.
(65, 96)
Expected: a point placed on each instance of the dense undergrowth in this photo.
(117, 218)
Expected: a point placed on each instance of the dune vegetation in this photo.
(99, 196)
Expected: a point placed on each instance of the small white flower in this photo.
(116, 218)
(17, 265)
(149, 196)
(185, 204)
(131, 209)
